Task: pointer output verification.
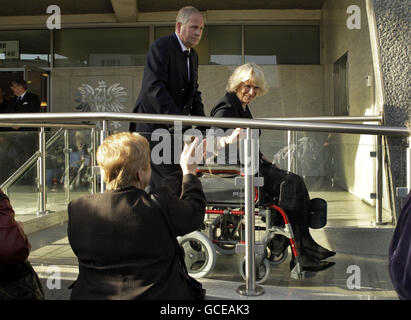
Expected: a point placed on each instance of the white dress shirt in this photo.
(183, 47)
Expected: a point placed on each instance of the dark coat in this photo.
(29, 103)
(14, 244)
(230, 106)
(296, 201)
(165, 86)
(123, 245)
(400, 253)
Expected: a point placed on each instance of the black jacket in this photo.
(123, 245)
(29, 103)
(230, 106)
(165, 86)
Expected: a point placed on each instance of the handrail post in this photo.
(103, 136)
(41, 173)
(379, 167)
(31, 161)
(67, 165)
(289, 143)
(93, 161)
(292, 156)
(250, 288)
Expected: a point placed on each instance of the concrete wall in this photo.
(393, 25)
(354, 167)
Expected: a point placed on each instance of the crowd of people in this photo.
(147, 202)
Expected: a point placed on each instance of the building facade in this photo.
(320, 58)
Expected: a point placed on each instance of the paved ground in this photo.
(51, 248)
(361, 247)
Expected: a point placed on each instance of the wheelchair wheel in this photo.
(262, 271)
(275, 258)
(225, 232)
(199, 254)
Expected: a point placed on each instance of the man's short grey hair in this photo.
(185, 13)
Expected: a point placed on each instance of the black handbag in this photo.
(196, 287)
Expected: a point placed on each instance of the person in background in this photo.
(24, 101)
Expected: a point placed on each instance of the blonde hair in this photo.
(120, 156)
(247, 72)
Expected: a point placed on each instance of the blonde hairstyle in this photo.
(120, 156)
(185, 13)
(247, 72)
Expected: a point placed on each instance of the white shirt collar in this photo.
(183, 47)
(21, 97)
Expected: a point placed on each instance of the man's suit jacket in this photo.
(123, 245)
(29, 103)
(165, 87)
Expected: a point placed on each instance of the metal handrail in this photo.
(209, 121)
(48, 125)
(29, 162)
(294, 124)
(338, 119)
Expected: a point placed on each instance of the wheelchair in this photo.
(225, 220)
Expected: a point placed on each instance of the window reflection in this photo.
(219, 44)
(282, 44)
(101, 47)
(19, 46)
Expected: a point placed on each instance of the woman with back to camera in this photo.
(245, 84)
(121, 238)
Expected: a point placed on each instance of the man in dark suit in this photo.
(24, 101)
(170, 82)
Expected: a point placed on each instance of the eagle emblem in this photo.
(101, 99)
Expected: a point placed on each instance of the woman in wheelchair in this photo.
(281, 187)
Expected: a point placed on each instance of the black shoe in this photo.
(314, 247)
(325, 265)
(311, 264)
(323, 254)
